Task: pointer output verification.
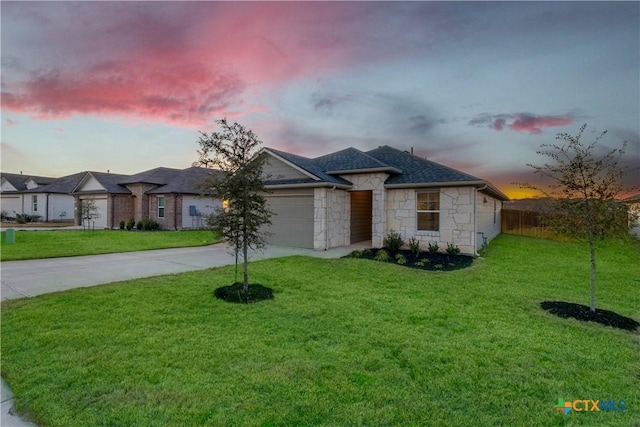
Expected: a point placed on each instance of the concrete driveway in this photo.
(29, 278)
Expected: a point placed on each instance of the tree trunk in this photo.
(245, 267)
(592, 252)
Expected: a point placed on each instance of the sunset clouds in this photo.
(457, 81)
(521, 122)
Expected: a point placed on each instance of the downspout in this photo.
(175, 212)
(46, 215)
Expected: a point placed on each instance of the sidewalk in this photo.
(26, 279)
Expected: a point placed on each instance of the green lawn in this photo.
(344, 342)
(60, 243)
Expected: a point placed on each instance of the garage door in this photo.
(100, 220)
(292, 222)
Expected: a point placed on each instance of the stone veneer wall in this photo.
(375, 183)
(456, 217)
(330, 218)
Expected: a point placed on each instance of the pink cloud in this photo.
(521, 122)
(181, 63)
(524, 122)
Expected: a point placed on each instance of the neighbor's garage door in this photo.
(100, 221)
(292, 222)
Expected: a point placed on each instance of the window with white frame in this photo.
(34, 203)
(160, 206)
(428, 210)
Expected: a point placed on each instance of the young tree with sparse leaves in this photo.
(585, 189)
(244, 214)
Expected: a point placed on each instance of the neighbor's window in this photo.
(34, 203)
(160, 206)
(428, 210)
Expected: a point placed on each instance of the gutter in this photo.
(308, 185)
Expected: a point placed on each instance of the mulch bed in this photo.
(423, 261)
(235, 293)
(584, 313)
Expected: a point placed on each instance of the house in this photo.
(172, 197)
(13, 197)
(352, 196)
(633, 206)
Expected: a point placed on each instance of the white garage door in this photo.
(100, 221)
(292, 222)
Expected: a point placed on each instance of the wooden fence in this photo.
(526, 223)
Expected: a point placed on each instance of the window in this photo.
(428, 210)
(34, 203)
(160, 206)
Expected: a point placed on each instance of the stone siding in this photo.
(456, 217)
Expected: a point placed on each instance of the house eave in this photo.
(308, 185)
(480, 185)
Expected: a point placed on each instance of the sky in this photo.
(477, 86)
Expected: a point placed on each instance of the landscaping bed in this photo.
(422, 260)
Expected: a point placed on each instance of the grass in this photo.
(344, 342)
(62, 243)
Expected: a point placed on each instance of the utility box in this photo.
(10, 236)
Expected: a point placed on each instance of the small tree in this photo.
(585, 189)
(244, 214)
(88, 211)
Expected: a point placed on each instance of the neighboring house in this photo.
(353, 196)
(633, 204)
(53, 202)
(14, 201)
(171, 197)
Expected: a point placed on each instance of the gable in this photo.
(275, 169)
(90, 183)
(7, 186)
(31, 183)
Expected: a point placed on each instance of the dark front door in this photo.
(361, 216)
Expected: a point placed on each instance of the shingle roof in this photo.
(19, 180)
(416, 170)
(349, 159)
(158, 176)
(309, 165)
(111, 182)
(185, 181)
(63, 185)
(404, 169)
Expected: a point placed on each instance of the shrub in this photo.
(130, 224)
(147, 224)
(122, 225)
(382, 255)
(433, 248)
(366, 252)
(400, 259)
(355, 254)
(452, 249)
(393, 241)
(414, 246)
